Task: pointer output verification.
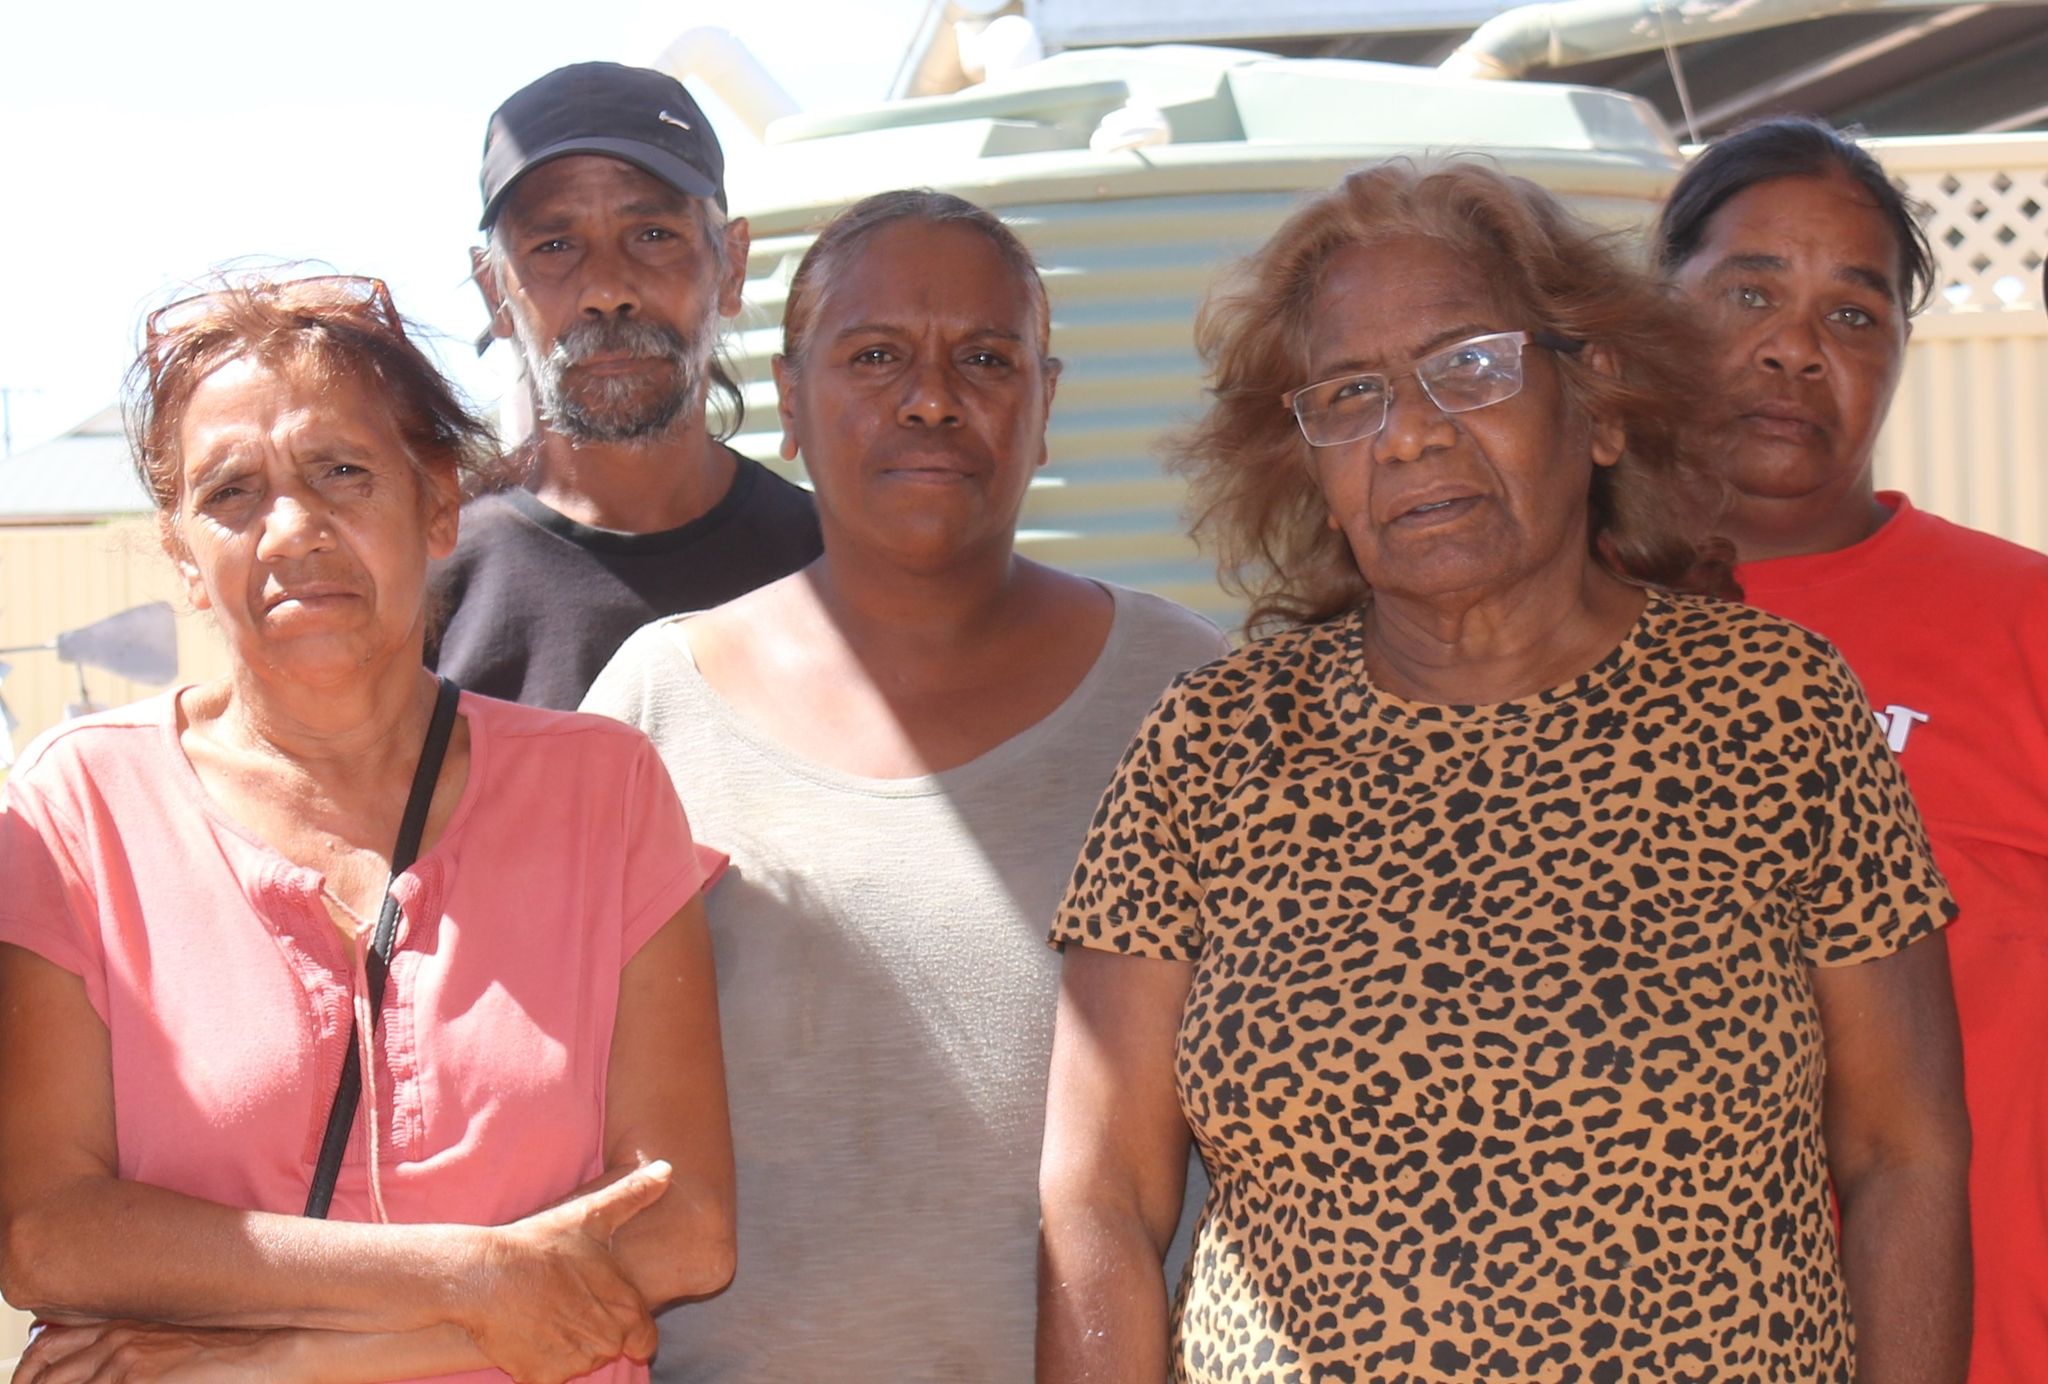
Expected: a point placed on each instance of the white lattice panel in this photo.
(1968, 433)
(1987, 199)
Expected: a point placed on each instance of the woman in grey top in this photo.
(901, 747)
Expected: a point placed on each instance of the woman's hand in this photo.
(550, 1301)
(124, 1351)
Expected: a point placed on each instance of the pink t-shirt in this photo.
(227, 991)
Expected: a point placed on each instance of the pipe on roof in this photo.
(1576, 31)
(716, 58)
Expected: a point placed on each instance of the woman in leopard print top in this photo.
(1525, 941)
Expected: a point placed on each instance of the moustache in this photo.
(620, 336)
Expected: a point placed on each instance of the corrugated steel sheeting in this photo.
(65, 577)
(1966, 438)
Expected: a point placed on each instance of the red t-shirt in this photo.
(1948, 630)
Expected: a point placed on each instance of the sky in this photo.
(143, 143)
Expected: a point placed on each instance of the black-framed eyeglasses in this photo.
(1457, 378)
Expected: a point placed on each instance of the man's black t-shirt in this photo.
(536, 604)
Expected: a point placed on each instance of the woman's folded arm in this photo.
(77, 1242)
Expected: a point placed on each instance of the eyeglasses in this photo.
(328, 295)
(1458, 378)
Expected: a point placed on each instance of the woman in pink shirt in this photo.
(538, 1156)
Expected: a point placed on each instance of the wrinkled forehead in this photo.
(581, 184)
(248, 393)
(1805, 223)
(1382, 302)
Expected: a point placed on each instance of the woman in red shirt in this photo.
(1805, 265)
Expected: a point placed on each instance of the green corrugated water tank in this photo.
(1130, 237)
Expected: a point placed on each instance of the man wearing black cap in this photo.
(609, 264)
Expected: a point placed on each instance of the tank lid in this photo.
(1219, 95)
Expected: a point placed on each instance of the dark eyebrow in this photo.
(1862, 275)
(211, 467)
(656, 206)
(1754, 263)
(338, 451)
(1869, 278)
(867, 329)
(545, 222)
(1460, 333)
(554, 216)
(892, 329)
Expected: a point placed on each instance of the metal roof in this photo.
(83, 475)
(1896, 69)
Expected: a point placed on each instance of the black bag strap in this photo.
(341, 1117)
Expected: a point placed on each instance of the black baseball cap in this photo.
(635, 114)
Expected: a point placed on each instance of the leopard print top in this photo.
(1501, 1047)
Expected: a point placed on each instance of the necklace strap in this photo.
(411, 828)
(341, 1116)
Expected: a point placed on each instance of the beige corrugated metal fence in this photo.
(13, 1336)
(1968, 433)
(63, 577)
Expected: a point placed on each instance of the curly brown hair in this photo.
(1254, 496)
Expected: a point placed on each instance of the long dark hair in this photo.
(1791, 146)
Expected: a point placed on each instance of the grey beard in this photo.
(616, 410)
